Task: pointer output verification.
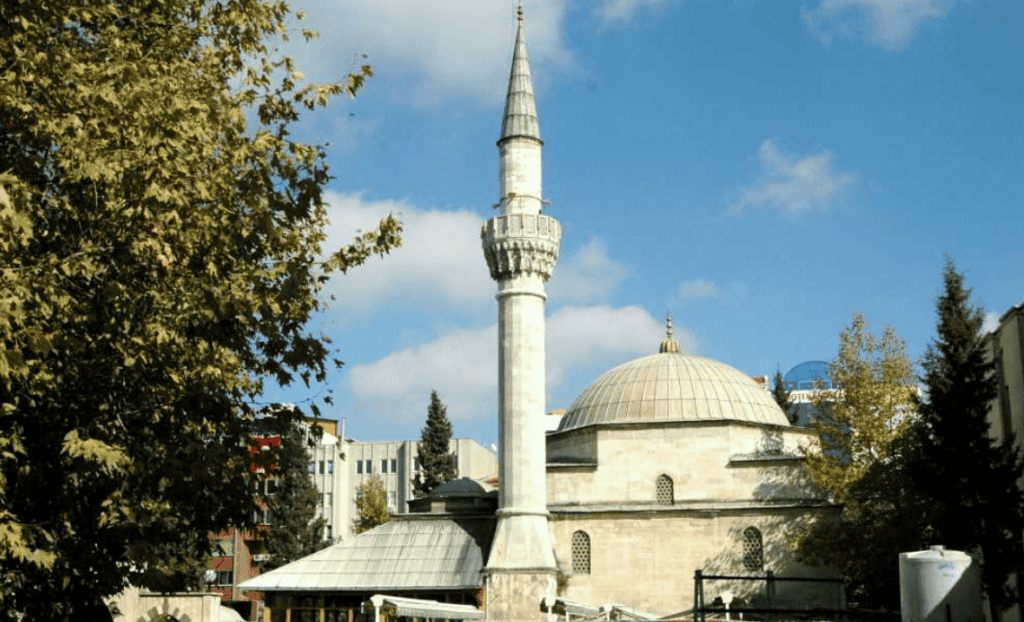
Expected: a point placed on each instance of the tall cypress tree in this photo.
(437, 464)
(972, 478)
(783, 398)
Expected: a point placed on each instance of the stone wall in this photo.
(517, 596)
(698, 457)
(649, 562)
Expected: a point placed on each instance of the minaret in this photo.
(521, 247)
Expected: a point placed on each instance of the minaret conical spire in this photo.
(520, 117)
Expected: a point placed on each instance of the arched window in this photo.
(664, 490)
(753, 550)
(580, 553)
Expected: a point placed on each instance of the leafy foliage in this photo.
(290, 497)
(437, 463)
(972, 478)
(871, 406)
(861, 463)
(371, 505)
(159, 261)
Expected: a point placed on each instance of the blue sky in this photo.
(763, 169)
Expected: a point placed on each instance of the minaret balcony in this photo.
(519, 244)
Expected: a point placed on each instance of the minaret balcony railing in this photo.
(519, 244)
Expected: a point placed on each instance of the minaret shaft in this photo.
(521, 247)
(519, 176)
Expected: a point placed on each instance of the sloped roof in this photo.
(418, 608)
(408, 553)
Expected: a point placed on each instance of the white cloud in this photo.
(991, 322)
(698, 289)
(624, 10)
(440, 259)
(434, 50)
(587, 276)
(794, 186)
(462, 365)
(890, 24)
(579, 336)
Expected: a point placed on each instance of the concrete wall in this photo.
(1006, 349)
(1006, 412)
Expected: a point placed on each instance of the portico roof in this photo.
(409, 553)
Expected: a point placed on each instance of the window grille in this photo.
(753, 550)
(580, 553)
(664, 489)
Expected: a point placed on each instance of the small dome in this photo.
(672, 386)
(463, 487)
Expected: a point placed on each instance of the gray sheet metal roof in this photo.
(416, 608)
(408, 553)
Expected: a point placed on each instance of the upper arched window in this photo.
(664, 490)
(753, 550)
(580, 553)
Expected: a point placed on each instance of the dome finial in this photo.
(668, 344)
(519, 13)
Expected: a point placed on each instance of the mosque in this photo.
(666, 465)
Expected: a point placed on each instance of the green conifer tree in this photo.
(783, 398)
(971, 477)
(291, 499)
(437, 463)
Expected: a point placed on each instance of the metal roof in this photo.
(408, 553)
(417, 608)
(673, 387)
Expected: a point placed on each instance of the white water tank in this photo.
(940, 586)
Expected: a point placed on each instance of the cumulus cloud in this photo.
(440, 259)
(624, 10)
(579, 336)
(587, 276)
(435, 50)
(698, 289)
(462, 365)
(794, 185)
(991, 322)
(890, 24)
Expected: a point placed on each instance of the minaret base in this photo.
(515, 595)
(521, 567)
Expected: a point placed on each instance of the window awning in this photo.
(417, 608)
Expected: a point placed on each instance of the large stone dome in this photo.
(671, 386)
